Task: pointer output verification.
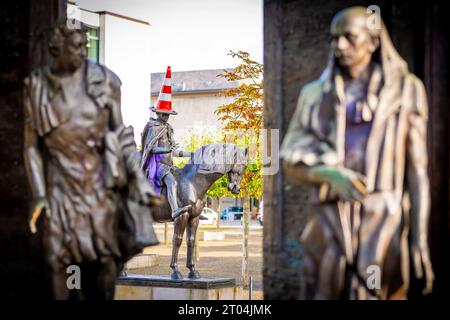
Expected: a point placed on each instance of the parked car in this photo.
(211, 216)
(232, 213)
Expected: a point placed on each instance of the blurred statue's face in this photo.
(73, 52)
(351, 40)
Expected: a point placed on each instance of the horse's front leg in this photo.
(179, 226)
(191, 235)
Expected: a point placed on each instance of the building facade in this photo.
(195, 96)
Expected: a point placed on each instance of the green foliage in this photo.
(243, 118)
(245, 112)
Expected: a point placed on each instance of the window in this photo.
(93, 44)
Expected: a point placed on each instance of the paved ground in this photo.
(221, 258)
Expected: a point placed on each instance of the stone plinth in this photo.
(146, 287)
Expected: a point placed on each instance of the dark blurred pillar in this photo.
(22, 27)
(436, 68)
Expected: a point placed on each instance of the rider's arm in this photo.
(158, 150)
(180, 153)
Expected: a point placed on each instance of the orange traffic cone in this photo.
(164, 103)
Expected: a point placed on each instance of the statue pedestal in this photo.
(147, 287)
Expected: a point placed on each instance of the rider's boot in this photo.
(179, 211)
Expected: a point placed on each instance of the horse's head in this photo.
(223, 158)
(236, 172)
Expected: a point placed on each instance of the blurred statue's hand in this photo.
(39, 205)
(347, 184)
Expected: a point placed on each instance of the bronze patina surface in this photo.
(359, 135)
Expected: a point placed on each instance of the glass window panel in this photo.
(93, 44)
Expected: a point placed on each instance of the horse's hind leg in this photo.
(179, 226)
(191, 234)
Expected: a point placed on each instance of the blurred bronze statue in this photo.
(83, 168)
(358, 137)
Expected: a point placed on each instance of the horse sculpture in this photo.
(207, 165)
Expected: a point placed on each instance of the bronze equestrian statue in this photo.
(190, 185)
(83, 169)
(358, 137)
(184, 188)
(208, 164)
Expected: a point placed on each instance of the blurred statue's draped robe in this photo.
(342, 240)
(84, 223)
